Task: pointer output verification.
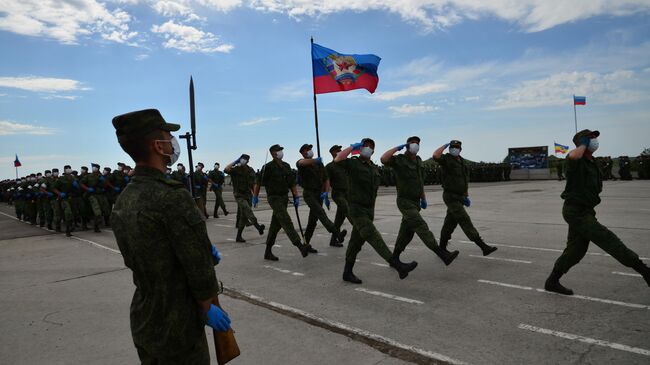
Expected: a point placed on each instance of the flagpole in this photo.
(575, 115)
(315, 104)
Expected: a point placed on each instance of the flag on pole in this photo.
(560, 148)
(17, 162)
(333, 71)
(579, 100)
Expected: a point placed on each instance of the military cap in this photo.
(67, 167)
(55, 170)
(178, 164)
(84, 168)
(305, 146)
(584, 133)
(32, 175)
(368, 140)
(107, 169)
(200, 164)
(139, 123)
(121, 164)
(276, 147)
(39, 174)
(94, 165)
(48, 171)
(245, 157)
(455, 143)
(335, 148)
(415, 139)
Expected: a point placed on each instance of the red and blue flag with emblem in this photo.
(334, 71)
(17, 162)
(579, 100)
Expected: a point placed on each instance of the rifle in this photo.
(191, 140)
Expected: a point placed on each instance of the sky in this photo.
(493, 74)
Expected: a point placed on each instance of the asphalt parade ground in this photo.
(66, 300)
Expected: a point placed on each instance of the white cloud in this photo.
(221, 5)
(256, 121)
(10, 128)
(65, 21)
(417, 90)
(141, 57)
(408, 109)
(42, 84)
(472, 98)
(621, 86)
(190, 39)
(66, 97)
(294, 90)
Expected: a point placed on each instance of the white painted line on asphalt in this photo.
(379, 264)
(230, 239)
(590, 341)
(93, 243)
(501, 259)
(342, 326)
(543, 249)
(389, 296)
(284, 271)
(321, 254)
(575, 296)
(224, 225)
(10, 216)
(626, 274)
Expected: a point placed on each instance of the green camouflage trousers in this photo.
(99, 205)
(56, 211)
(66, 209)
(281, 219)
(456, 215)
(199, 354)
(218, 201)
(316, 214)
(245, 216)
(342, 208)
(364, 230)
(412, 223)
(585, 228)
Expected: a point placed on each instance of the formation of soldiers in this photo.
(478, 172)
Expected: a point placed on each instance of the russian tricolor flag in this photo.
(579, 100)
(334, 71)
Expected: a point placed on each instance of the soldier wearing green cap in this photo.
(164, 241)
(339, 183)
(54, 201)
(216, 179)
(364, 183)
(581, 195)
(243, 184)
(201, 187)
(93, 184)
(63, 188)
(409, 174)
(315, 186)
(455, 181)
(277, 178)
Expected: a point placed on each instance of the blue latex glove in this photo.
(28, 195)
(585, 141)
(218, 319)
(325, 199)
(446, 145)
(38, 195)
(235, 162)
(126, 178)
(356, 146)
(319, 160)
(102, 178)
(216, 254)
(49, 194)
(205, 177)
(296, 201)
(401, 147)
(423, 204)
(62, 195)
(255, 200)
(197, 187)
(215, 186)
(116, 189)
(467, 202)
(75, 184)
(91, 190)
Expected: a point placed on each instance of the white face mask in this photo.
(84, 171)
(367, 152)
(67, 171)
(216, 167)
(176, 150)
(48, 174)
(310, 154)
(279, 155)
(120, 168)
(179, 168)
(243, 161)
(414, 148)
(105, 173)
(55, 174)
(95, 169)
(454, 152)
(593, 145)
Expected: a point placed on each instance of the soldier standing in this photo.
(278, 179)
(581, 195)
(243, 184)
(364, 183)
(54, 201)
(559, 166)
(63, 188)
(93, 184)
(411, 198)
(339, 184)
(216, 179)
(164, 242)
(200, 187)
(180, 175)
(315, 185)
(455, 178)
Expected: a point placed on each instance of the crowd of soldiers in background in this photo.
(88, 196)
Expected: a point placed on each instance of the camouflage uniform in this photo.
(339, 182)
(96, 197)
(217, 180)
(201, 190)
(243, 181)
(66, 184)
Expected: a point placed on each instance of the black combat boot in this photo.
(84, 225)
(348, 275)
(310, 249)
(68, 230)
(553, 284)
(49, 226)
(402, 268)
(107, 221)
(97, 225)
(485, 247)
(446, 256)
(268, 254)
(260, 228)
(239, 238)
(334, 241)
(341, 236)
(642, 269)
(304, 248)
(225, 212)
(58, 228)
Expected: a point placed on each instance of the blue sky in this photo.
(494, 74)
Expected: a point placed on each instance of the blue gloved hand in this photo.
(75, 184)
(215, 254)
(215, 186)
(102, 178)
(401, 147)
(116, 189)
(255, 200)
(126, 178)
(356, 146)
(235, 162)
(91, 190)
(218, 319)
(28, 195)
(325, 199)
(423, 204)
(467, 202)
(296, 201)
(62, 195)
(446, 145)
(319, 160)
(197, 187)
(38, 195)
(205, 177)
(584, 141)
(50, 194)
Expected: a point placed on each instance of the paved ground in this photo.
(65, 300)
